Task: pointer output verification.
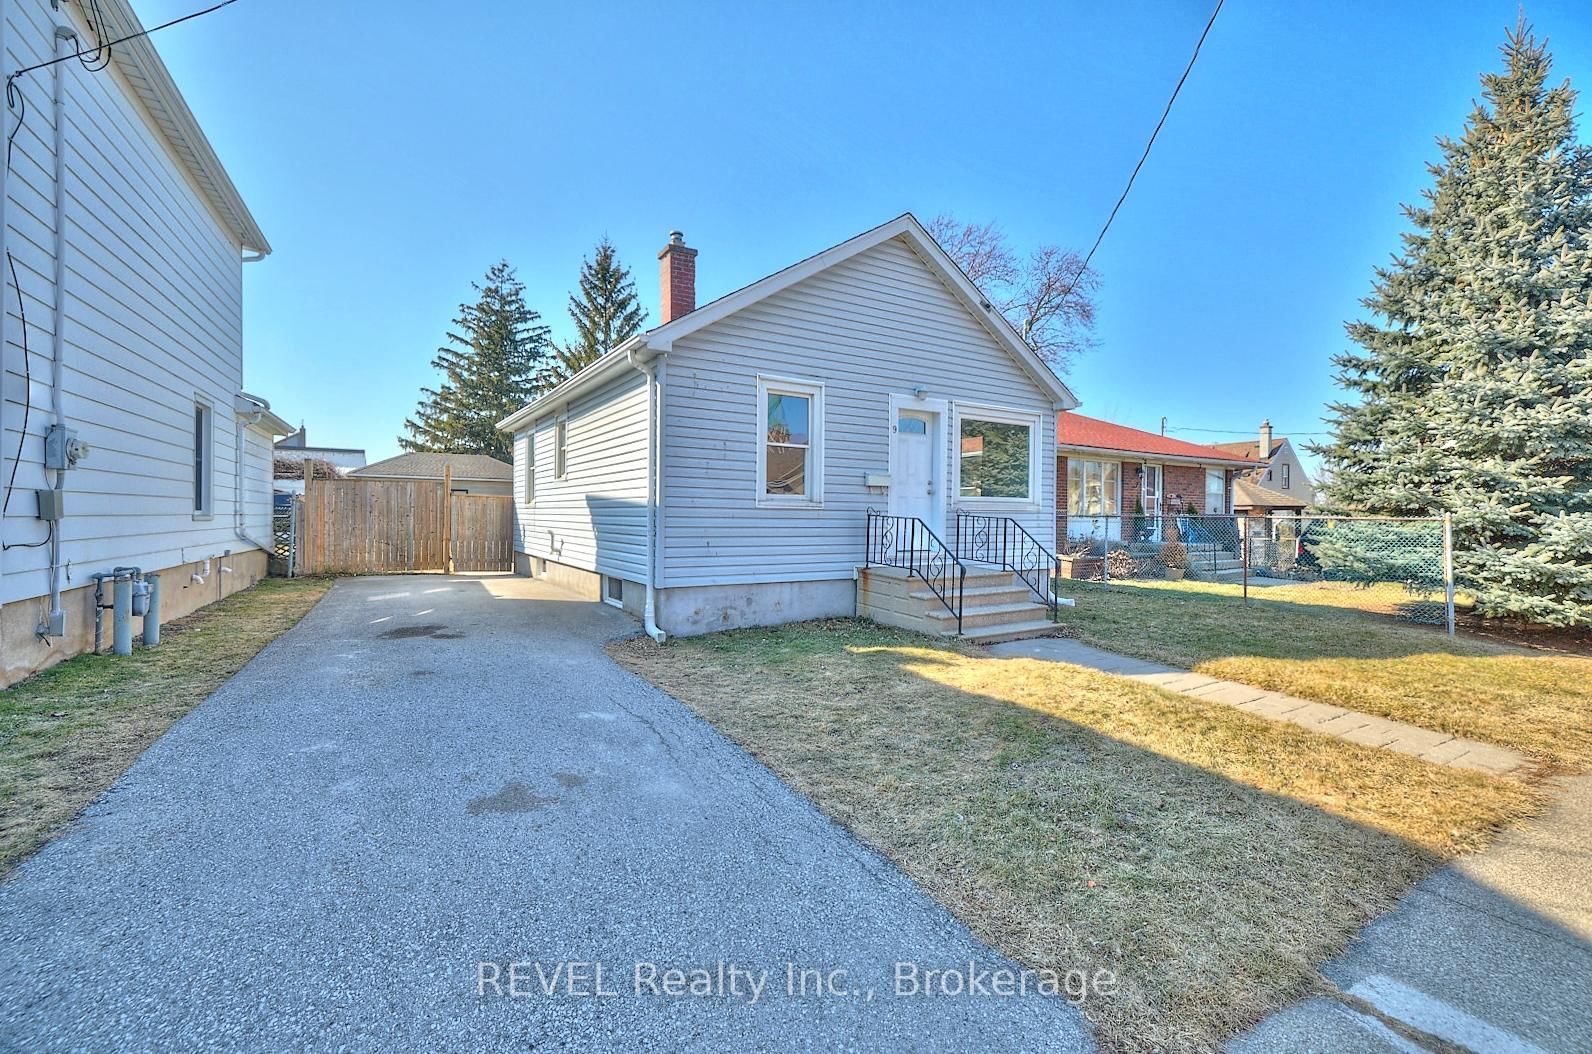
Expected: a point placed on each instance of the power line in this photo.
(1084, 267)
(1236, 431)
(106, 45)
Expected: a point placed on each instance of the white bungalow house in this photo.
(859, 432)
(125, 437)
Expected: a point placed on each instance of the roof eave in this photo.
(1153, 455)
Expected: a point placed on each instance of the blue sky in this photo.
(392, 157)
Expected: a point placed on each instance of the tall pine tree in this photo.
(488, 366)
(605, 311)
(1474, 381)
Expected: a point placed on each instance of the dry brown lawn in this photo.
(67, 733)
(1075, 820)
(1538, 701)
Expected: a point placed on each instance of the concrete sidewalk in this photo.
(1492, 955)
(1437, 747)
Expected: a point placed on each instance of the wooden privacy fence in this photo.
(368, 526)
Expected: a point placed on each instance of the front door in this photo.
(914, 488)
(1150, 498)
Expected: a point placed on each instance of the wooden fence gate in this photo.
(370, 526)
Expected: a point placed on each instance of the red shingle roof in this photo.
(1074, 430)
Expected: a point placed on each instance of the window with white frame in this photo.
(203, 460)
(1215, 492)
(560, 447)
(1093, 487)
(998, 455)
(530, 466)
(1286, 474)
(790, 431)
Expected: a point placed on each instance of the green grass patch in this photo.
(1536, 701)
(68, 732)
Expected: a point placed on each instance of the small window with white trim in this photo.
(1287, 480)
(790, 429)
(203, 460)
(614, 591)
(560, 447)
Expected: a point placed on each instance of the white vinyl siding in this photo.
(879, 324)
(595, 516)
(153, 315)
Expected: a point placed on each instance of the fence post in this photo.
(1448, 569)
(447, 519)
(1105, 554)
(1243, 545)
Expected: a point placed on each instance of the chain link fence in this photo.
(1398, 567)
(285, 534)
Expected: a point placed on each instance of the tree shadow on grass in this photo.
(1211, 860)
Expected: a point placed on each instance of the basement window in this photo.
(614, 591)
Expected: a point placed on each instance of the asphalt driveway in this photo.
(431, 779)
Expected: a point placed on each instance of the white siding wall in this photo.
(879, 323)
(153, 305)
(595, 518)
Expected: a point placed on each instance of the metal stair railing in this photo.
(1003, 541)
(906, 542)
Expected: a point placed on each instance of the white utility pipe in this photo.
(63, 35)
(649, 618)
(5, 294)
(239, 523)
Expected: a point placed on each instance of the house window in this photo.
(560, 447)
(614, 591)
(1268, 475)
(1215, 492)
(790, 430)
(997, 456)
(203, 461)
(1093, 487)
(1286, 482)
(530, 467)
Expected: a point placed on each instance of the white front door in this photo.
(914, 486)
(1150, 497)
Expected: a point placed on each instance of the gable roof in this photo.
(1074, 431)
(1249, 494)
(906, 227)
(154, 88)
(419, 465)
(1250, 448)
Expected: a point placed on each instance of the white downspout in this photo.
(239, 522)
(57, 617)
(649, 616)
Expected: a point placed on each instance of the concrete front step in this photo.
(1011, 631)
(1006, 594)
(979, 616)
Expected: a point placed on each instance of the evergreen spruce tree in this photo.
(1474, 381)
(605, 311)
(489, 365)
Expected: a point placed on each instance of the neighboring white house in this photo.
(470, 473)
(1280, 484)
(718, 470)
(128, 240)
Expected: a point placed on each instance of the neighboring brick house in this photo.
(1278, 483)
(1107, 471)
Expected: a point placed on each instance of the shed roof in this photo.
(424, 465)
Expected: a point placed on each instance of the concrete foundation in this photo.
(22, 652)
(589, 585)
(692, 610)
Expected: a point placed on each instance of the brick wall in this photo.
(1181, 485)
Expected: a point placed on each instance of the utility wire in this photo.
(108, 44)
(1083, 269)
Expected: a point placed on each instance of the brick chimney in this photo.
(676, 278)
(1265, 440)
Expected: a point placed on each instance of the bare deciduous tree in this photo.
(1047, 297)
